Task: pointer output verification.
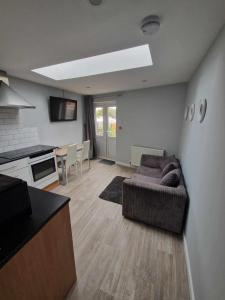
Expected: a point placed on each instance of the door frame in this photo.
(105, 104)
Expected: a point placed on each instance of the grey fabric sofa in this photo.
(147, 199)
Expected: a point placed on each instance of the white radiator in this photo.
(137, 151)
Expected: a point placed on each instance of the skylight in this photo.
(126, 59)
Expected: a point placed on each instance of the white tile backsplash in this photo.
(14, 134)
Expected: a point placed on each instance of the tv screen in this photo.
(61, 109)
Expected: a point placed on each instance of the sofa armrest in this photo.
(151, 161)
(155, 204)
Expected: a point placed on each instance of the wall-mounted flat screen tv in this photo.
(61, 109)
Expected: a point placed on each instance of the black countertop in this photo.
(44, 206)
(25, 152)
(4, 160)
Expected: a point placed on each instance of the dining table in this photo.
(61, 154)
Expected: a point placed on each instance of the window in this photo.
(99, 121)
(126, 59)
(112, 121)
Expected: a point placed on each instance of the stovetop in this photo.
(25, 152)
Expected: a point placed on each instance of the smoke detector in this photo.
(150, 25)
(95, 2)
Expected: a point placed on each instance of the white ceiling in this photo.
(39, 33)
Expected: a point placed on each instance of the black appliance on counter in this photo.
(14, 199)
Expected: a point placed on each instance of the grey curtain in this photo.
(89, 124)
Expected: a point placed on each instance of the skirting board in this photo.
(120, 163)
(190, 281)
(51, 186)
(103, 157)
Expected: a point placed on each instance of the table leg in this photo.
(63, 171)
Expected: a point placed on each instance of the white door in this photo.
(105, 124)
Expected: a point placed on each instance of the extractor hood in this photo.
(10, 98)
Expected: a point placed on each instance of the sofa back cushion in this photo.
(151, 161)
(171, 179)
(167, 160)
(146, 171)
(169, 167)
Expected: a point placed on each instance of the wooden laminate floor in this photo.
(117, 258)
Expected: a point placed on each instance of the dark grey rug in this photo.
(113, 191)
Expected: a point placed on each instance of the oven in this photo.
(43, 169)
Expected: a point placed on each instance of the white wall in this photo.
(150, 117)
(203, 160)
(50, 133)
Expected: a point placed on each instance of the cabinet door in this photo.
(21, 173)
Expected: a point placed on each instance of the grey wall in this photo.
(203, 160)
(150, 117)
(56, 133)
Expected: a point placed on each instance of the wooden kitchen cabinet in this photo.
(44, 267)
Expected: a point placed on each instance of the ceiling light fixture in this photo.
(150, 25)
(126, 59)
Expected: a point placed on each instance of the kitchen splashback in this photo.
(14, 134)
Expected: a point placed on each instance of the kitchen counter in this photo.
(36, 256)
(4, 160)
(44, 206)
(36, 165)
(25, 152)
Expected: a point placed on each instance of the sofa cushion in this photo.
(151, 161)
(146, 171)
(171, 179)
(169, 167)
(145, 179)
(167, 160)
